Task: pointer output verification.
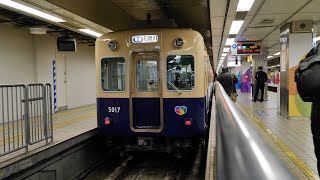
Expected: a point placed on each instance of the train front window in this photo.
(113, 74)
(147, 75)
(180, 72)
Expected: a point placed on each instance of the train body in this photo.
(153, 84)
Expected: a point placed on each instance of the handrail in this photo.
(241, 151)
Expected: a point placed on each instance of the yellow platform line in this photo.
(55, 126)
(295, 159)
(262, 109)
(56, 115)
(71, 111)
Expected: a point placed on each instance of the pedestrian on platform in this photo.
(228, 81)
(261, 78)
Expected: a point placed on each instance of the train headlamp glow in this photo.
(112, 45)
(178, 42)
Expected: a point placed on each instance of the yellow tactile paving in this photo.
(66, 124)
(297, 165)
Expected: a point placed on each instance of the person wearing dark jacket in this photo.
(261, 78)
(227, 80)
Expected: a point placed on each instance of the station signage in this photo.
(141, 39)
(246, 49)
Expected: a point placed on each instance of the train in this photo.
(154, 87)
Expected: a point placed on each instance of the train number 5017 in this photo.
(113, 109)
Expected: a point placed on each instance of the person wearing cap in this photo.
(261, 78)
(227, 80)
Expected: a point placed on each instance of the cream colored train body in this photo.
(153, 83)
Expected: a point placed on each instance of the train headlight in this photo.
(112, 45)
(178, 42)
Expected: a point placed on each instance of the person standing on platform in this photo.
(228, 81)
(261, 78)
(315, 112)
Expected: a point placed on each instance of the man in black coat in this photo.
(261, 78)
(227, 80)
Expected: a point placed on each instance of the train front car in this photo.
(152, 86)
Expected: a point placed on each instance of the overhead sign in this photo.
(246, 49)
(140, 39)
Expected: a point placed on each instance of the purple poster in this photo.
(246, 82)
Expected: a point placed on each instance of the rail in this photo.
(241, 151)
(25, 116)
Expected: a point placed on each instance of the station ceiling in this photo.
(262, 23)
(125, 14)
(212, 18)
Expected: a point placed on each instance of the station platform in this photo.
(66, 126)
(291, 138)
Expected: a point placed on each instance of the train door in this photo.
(61, 73)
(145, 98)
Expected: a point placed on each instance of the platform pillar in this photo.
(295, 42)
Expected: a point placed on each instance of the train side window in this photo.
(180, 72)
(113, 74)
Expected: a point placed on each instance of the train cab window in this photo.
(113, 74)
(180, 72)
(147, 75)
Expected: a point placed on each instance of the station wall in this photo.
(16, 55)
(27, 58)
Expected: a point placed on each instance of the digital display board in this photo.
(246, 49)
(139, 39)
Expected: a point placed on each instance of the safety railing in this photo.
(241, 152)
(25, 116)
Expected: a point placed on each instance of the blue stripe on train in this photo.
(174, 124)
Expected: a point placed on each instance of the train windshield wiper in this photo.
(174, 87)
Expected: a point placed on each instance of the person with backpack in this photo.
(228, 81)
(308, 89)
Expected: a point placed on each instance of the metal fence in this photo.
(25, 116)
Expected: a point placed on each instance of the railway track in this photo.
(152, 165)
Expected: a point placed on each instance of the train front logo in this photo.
(180, 110)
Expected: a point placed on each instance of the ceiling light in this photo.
(30, 10)
(38, 30)
(88, 31)
(226, 49)
(276, 54)
(269, 57)
(235, 27)
(229, 41)
(245, 5)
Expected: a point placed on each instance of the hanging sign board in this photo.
(244, 49)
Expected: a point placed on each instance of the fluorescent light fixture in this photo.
(229, 41)
(88, 31)
(276, 54)
(30, 10)
(245, 5)
(235, 27)
(226, 49)
(223, 54)
(269, 57)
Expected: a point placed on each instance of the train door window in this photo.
(180, 72)
(113, 74)
(147, 75)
